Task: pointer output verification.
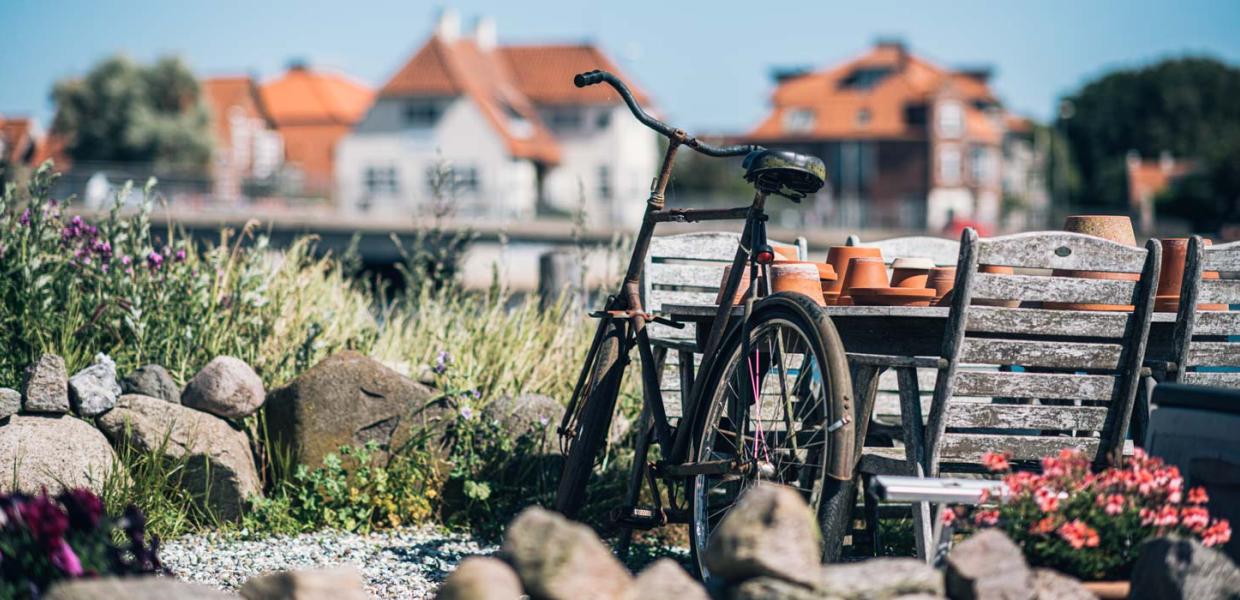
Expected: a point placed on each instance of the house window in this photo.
(865, 78)
(448, 181)
(422, 114)
(604, 182)
(466, 179)
(381, 181)
(565, 118)
(949, 165)
(603, 120)
(799, 120)
(982, 165)
(950, 119)
(518, 125)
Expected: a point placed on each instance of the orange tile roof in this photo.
(303, 96)
(842, 111)
(19, 141)
(1146, 178)
(461, 68)
(544, 73)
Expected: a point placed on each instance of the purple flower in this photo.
(467, 413)
(154, 260)
(125, 260)
(47, 522)
(84, 507)
(442, 361)
(180, 256)
(475, 394)
(543, 420)
(24, 220)
(62, 556)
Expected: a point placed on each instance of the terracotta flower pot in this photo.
(742, 290)
(910, 272)
(801, 278)
(1171, 276)
(865, 272)
(941, 280)
(838, 257)
(1117, 228)
(784, 252)
(892, 296)
(997, 270)
(1108, 590)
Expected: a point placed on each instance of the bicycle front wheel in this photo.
(777, 406)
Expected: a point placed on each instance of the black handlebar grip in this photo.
(588, 78)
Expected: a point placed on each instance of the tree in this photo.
(125, 112)
(1185, 106)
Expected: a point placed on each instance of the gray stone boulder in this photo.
(219, 471)
(226, 387)
(481, 578)
(1053, 585)
(94, 390)
(153, 381)
(10, 402)
(1176, 567)
(666, 580)
(527, 415)
(53, 452)
(347, 400)
(335, 583)
(986, 566)
(880, 578)
(134, 588)
(770, 532)
(773, 588)
(46, 389)
(558, 559)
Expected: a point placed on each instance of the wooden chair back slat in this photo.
(1214, 354)
(988, 319)
(1211, 379)
(1223, 257)
(1219, 291)
(942, 251)
(1034, 288)
(1217, 323)
(1036, 353)
(1060, 250)
(1052, 418)
(1051, 386)
(969, 448)
(1201, 337)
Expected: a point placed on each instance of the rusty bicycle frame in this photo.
(626, 306)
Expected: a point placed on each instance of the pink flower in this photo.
(1047, 499)
(1167, 516)
(1114, 504)
(1044, 526)
(46, 520)
(996, 461)
(1218, 533)
(154, 260)
(1195, 518)
(62, 556)
(1198, 495)
(949, 516)
(1079, 535)
(989, 518)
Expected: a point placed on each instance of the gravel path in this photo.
(402, 563)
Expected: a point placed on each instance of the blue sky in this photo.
(707, 63)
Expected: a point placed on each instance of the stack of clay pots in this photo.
(863, 279)
(803, 277)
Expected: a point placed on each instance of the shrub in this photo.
(1091, 525)
(44, 540)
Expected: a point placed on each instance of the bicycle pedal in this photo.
(641, 518)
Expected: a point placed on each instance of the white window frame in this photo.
(799, 119)
(949, 164)
(949, 119)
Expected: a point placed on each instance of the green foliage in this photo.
(1183, 106)
(125, 112)
(1210, 194)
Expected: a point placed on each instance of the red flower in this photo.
(996, 461)
(1198, 495)
(1079, 535)
(1195, 518)
(47, 522)
(1218, 533)
(949, 516)
(1167, 516)
(1044, 526)
(988, 518)
(1114, 504)
(1047, 499)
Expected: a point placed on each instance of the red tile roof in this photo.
(544, 73)
(303, 96)
(17, 140)
(225, 93)
(1147, 178)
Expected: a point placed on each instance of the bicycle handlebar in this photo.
(596, 77)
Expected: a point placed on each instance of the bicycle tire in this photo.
(833, 508)
(593, 423)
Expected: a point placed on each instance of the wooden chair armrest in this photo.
(885, 360)
(675, 344)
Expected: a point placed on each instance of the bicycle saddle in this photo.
(788, 174)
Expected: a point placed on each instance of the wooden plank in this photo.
(658, 331)
(1062, 355)
(1220, 291)
(1214, 354)
(1021, 416)
(1211, 379)
(709, 245)
(925, 380)
(963, 447)
(1217, 323)
(1060, 250)
(1035, 385)
(655, 299)
(699, 275)
(992, 319)
(1053, 289)
(943, 252)
(1223, 257)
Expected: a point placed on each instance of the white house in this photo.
(497, 132)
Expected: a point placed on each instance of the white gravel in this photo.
(401, 563)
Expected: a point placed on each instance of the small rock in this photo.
(526, 414)
(771, 588)
(666, 580)
(770, 532)
(93, 391)
(987, 566)
(481, 578)
(53, 452)
(153, 381)
(1177, 567)
(219, 471)
(1053, 585)
(47, 386)
(880, 578)
(226, 387)
(558, 559)
(336, 583)
(10, 402)
(134, 588)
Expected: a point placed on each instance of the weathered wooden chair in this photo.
(686, 269)
(1091, 359)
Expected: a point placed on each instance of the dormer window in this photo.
(865, 78)
(799, 120)
(422, 113)
(518, 125)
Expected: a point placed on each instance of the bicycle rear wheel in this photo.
(788, 432)
(588, 429)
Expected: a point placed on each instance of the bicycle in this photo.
(773, 401)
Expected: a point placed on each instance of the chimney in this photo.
(896, 44)
(484, 33)
(448, 25)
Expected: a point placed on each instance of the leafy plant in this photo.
(1091, 525)
(44, 540)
